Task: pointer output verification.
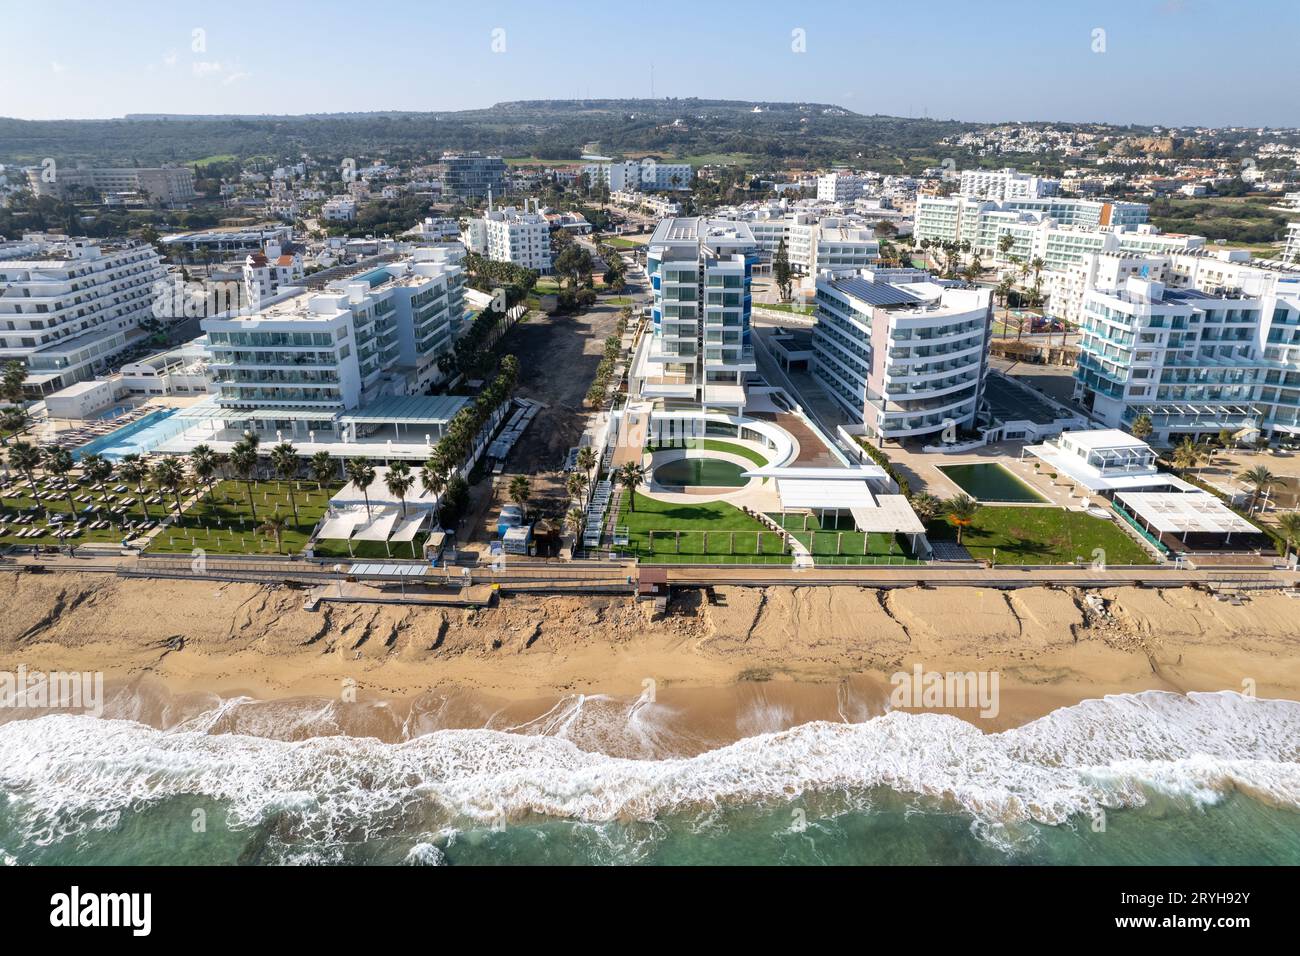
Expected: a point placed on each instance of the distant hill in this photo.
(760, 134)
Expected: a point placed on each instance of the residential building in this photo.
(660, 206)
(511, 235)
(68, 306)
(339, 209)
(267, 272)
(841, 188)
(473, 175)
(700, 350)
(1292, 251)
(813, 243)
(640, 174)
(166, 185)
(903, 354)
(1194, 362)
(223, 243)
(1003, 184)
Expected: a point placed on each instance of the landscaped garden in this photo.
(714, 532)
(222, 521)
(715, 444)
(1040, 536)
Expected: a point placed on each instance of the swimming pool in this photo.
(138, 437)
(708, 472)
(989, 481)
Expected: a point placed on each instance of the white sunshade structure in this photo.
(1185, 513)
(382, 524)
(836, 490)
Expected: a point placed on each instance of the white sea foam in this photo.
(68, 773)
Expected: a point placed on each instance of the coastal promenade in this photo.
(413, 582)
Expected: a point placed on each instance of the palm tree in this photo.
(284, 459)
(1187, 454)
(274, 526)
(322, 468)
(135, 472)
(577, 485)
(432, 478)
(1260, 479)
(586, 458)
(58, 462)
(1142, 427)
(12, 421)
(631, 476)
(170, 476)
(1289, 525)
(1002, 291)
(243, 460)
(961, 513)
(926, 506)
(521, 489)
(399, 481)
(97, 470)
(576, 519)
(203, 462)
(25, 458)
(362, 474)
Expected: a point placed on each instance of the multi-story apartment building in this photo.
(67, 306)
(700, 350)
(297, 366)
(1195, 362)
(980, 222)
(841, 187)
(1292, 251)
(813, 243)
(511, 235)
(640, 174)
(339, 209)
(1003, 184)
(660, 206)
(902, 353)
(267, 272)
(168, 185)
(473, 175)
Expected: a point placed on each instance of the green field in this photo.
(222, 522)
(618, 242)
(209, 160)
(1041, 536)
(17, 500)
(785, 307)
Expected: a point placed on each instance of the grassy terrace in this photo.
(18, 500)
(618, 242)
(733, 537)
(786, 307)
(222, 522)
(1041, 536)
(715, 444)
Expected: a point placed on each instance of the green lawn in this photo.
(18, 500)
(733, 537)
(750, 543)
(547, 285)
(618, 242)
(1041, 536)
(222, 522)
(785, 307)
(717, 444)
(373, 550)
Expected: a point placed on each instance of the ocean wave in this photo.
(69, 773)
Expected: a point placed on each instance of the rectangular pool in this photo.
(989, 481)
(139, 437)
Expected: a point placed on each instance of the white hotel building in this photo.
(1195, 362)
(321, 367)
(903, 354)
(813, 243)
(68, 306)
(1003, 184)
(640, 174)
(700, 350)
(510, 235)
(842, 188)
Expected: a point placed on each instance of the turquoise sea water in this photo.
(1135, 779)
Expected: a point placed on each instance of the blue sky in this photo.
(1173, 62)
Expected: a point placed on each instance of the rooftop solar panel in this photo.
(876, 293)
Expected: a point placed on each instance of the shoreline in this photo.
(729, 662)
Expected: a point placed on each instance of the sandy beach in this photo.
(733, 661)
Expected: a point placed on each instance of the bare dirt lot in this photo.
(558, 355)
